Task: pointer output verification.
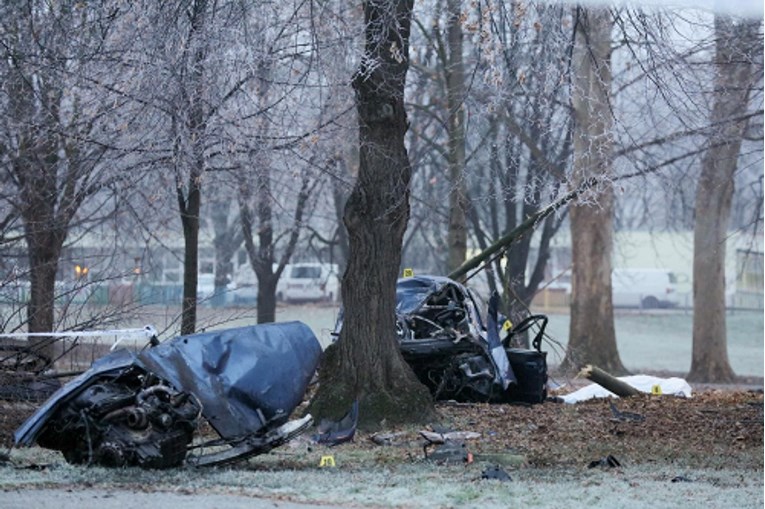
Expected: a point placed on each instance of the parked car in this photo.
(245, 289)
(301, 282)
(644, 288)
(206, 290)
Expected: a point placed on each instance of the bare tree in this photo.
(516, 146)
(454, 78)
(530, 141)
(263, 257)
(738, 60)
(592, 338)
(189, 123)
(210, 58)
(365, 364)
(56, 130)
(277, 184)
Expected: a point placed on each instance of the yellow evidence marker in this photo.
(327, 461)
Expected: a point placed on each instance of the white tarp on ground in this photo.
(643, 383)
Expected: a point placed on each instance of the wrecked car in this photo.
(146, 409)
(456, 353)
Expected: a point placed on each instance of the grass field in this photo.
(654, 341)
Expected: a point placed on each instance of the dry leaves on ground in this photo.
(713, 428)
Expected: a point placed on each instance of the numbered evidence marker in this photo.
(327, 461)
(408, 272)
(507, 325)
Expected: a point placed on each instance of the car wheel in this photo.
(650, 302)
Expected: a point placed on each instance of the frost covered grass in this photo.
(365, 482)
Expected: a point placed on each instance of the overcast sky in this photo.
(749, 8)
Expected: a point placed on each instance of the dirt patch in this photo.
(713, 428)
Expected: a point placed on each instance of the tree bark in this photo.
(365, 363)
(195, 126)
(733, 82)
(592, 337)
(455, 96)
(190, 206)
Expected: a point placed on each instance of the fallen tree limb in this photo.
(608, 381)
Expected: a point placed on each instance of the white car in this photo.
(301, 282)
(245, 286)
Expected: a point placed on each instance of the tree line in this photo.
(390, 134)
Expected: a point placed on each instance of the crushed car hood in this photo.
(234, 371)
(246, 379)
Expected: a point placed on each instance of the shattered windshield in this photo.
(412, 292)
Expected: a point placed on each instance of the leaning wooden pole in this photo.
(516, 233)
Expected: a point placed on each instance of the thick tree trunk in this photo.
(592, 338)
(267, 297)
(455, 95)
(42, 279)
(365, 363)
(44, 239)
(714, 193)
(44, 250)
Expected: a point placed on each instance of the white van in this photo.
(644, 288)
(309, 282)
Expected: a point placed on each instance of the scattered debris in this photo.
(337, 432)
(496, 473)
(609, 461)
(27, 358)
(451, 451)
(386, 438)
(440, 438)
(143, 409)
(625, 416)
(22, 386)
